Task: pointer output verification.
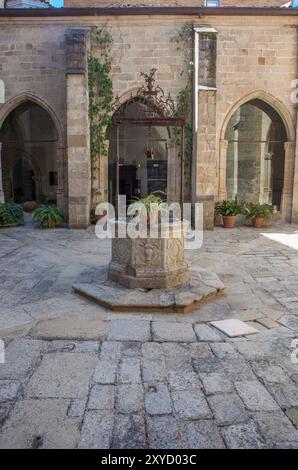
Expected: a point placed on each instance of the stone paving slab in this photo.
(74, 328)
(77, 375)
(64, 375)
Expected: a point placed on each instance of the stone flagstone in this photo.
(233, 327)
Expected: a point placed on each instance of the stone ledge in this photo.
(202, 287)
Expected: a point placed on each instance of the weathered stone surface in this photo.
(157, 399)
(197, 407)
(243, 436)
(290, 321)
(129, 398)
(129, 371)
(224, 350)
(150, 263)
(8, 390)
(202, 287)
(77, 408)
(64, 375)
(42, 423)
(97, 430)
(216, 383)
(234, 327)
(292, 414)
(125, 330)
(271, 374)
(185, 379)
(105, 371)
(286, 395)
(154, 370)
(163, 432)
(110, 350)
(65, 328)
(201, 435)
(255, 396)
(277, 429)
(227, 409)
(20, 357)
(208, 365)
(205, 333)
(192, 366)
(237, 369)
(102, 397)
(129, 432)
(173, 331)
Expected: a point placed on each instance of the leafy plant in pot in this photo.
(10, 214)
(229, 211)
(47, 217)
(148, 208)
(258, 213)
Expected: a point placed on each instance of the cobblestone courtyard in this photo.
(77, 375)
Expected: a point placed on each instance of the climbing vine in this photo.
(100, 93)
(184, 42)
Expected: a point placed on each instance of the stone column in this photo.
(1, 179)
(62, 183)
(204, 161)
(78, 132)
(289, 203)
(223, 154)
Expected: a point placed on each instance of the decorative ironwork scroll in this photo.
(149, 103)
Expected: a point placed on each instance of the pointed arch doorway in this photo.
(146, 146)
(29, 160)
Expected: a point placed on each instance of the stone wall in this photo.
(32, 66)
(256, 58)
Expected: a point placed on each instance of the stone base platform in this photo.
(202, 287)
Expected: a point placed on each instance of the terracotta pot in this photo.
(229, 221)
(259, 222)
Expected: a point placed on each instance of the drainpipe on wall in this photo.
(205, 51)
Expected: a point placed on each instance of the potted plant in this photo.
(258, 213)
(47, 217)
(30, 206)
(11, 214)
(148, 208)
(229, 211)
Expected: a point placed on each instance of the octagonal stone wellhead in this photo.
(156, 261)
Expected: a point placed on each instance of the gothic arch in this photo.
(28, 97)
(11, 104)
(276, 104)
(280, 110)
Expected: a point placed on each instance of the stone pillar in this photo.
(1, 179)
(289, 204)
(62, 182)
(223, 153)
(204, 161)
(78, 131)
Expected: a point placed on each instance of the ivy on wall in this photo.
(100, 93)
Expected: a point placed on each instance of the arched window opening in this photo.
(255, 156)
(28, 140)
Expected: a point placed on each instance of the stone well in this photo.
(149, 275)
(150, 263)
